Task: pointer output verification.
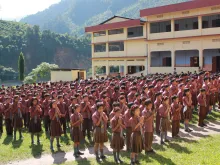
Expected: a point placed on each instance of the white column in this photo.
(201, 58)
(172, 26)
(125, 68)
(200, 24)
(107, 68)
(173, 59)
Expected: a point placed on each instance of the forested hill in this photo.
(41, 46)
(71, 16)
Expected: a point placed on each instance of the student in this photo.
(176, 107)
(17, 117)
(136, 137)
(127, 117)
(117, 142)
(157, 104)
(46, 108)
(35, 122)
(187, 111)
(63, 110)
(100, 120)
(76, 121)
(55, 126)
(148, 126)
(8, 116)
(86, 112)
(164, 111)
(202, 107)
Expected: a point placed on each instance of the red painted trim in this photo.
(179, 7)
(124, 57)
(215, 35)
(116, 25)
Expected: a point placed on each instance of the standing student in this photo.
(8, 116)
(128, 129)
(35, 122)
(148, 126)
(76, 121)
(187, 110)
(137, 136)
(46, 108)
(63, 110)
(100, 120)
(157, 104)
(164, 111)
(117, 142)
(1, 117)
(176, 107)
(55, 126)
(202, 107)
(17, 117)
(85, 110)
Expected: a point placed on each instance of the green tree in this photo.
(41, 72)
(21, 64)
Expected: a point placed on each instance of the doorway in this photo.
(216, 64)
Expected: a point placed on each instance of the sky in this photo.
(17, 9)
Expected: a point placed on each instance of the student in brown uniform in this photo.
(187, 111)
(76, 121)
(164, 111)
(202, 107)
(17, 116)
(55, 126)
(176, 107)
(46, 108)
(148, 126)
(35, 122)
(117, 142)
(100, 120)
(87, 114)
(137, 136)
(127, 116)
(63, 110)
(1, 117)
(157, 104)
(8, 116)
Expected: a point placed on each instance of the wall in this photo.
(183, 14)
(61, 75)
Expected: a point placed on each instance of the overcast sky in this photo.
(16, 9)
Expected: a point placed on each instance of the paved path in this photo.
(61, 157)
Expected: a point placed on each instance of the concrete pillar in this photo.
(125, 68)
(173, 59)
(172, 26)
(200, 24)
(93, 71)
(201, 59)
(149, 63)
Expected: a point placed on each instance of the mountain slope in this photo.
(71, 16)
(41, 46)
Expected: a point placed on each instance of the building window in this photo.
(116, 46)
(211, 21)
(100, 48)
(98, 34)
(115, 31)
(135, 32)
(160, 27)
(186, 24)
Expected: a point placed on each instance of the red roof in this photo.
(115, 25)
(179, 7)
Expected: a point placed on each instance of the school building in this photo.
(182, 37)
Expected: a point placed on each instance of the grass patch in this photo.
(22, 149)
(178, 152)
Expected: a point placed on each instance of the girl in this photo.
(117, 142)
(35, 122)
(136, 137)
(100, 120)
(8, 116)
(17, 116)
(55, 126)
(164, 111)
(76, 120)
(187, 111)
